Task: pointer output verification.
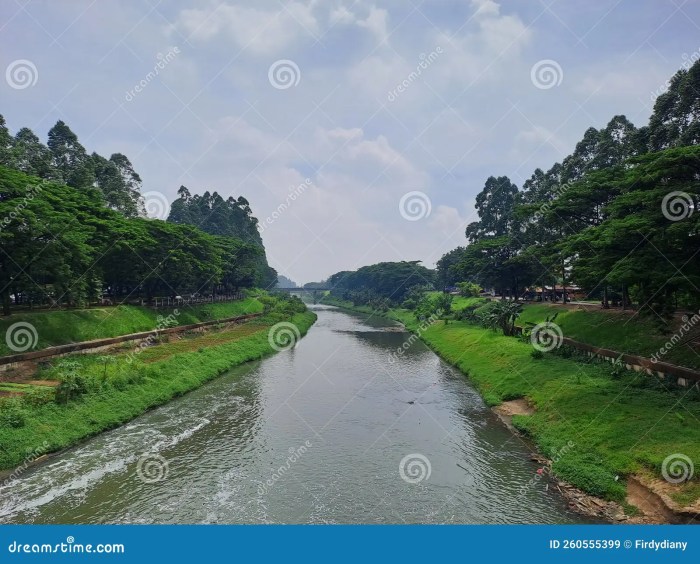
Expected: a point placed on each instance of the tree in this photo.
(494, 204)
(69, 157)
(6, 154)
(30, 155)
(110, 179)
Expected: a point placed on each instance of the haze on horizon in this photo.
(325, 101)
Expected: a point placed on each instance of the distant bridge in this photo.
(313, 293)
(303, 289)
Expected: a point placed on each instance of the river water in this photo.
(327, 432)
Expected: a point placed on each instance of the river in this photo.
(327, 432)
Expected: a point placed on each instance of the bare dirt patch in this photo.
(507, 409)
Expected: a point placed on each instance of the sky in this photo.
(359, 131)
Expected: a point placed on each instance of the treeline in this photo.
(64, 160)
(382, 285)
(72, 230)
(618, 215)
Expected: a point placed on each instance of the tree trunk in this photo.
(6, 301)
(606, 305)
(563, 281)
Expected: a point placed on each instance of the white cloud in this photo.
(251, 28)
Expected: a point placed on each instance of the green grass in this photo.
(618, 425)
(72, 326)
(121, 391)
(615, 330)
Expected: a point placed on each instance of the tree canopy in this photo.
(73, 228)
(619, 212)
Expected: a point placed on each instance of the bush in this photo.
(11, 414)
(38, 395)
(437, 306)
(536, 354)
(72, 386)
(500, 315)
(469, 289)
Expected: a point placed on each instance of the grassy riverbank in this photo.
(72, 326)
(619, 424)
(107, 391)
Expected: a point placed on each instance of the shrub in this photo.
(501, 315)
(469, 289)
(38, 395)
(11, 414)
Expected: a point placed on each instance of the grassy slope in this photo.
(63, 327)
(614, 330)
(618, 425)
(131, 389)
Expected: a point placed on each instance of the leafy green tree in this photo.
(6, 153)
(31, 155)
(69, 157)
(469, 289)
(494, 204)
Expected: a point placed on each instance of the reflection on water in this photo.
(311, 435)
